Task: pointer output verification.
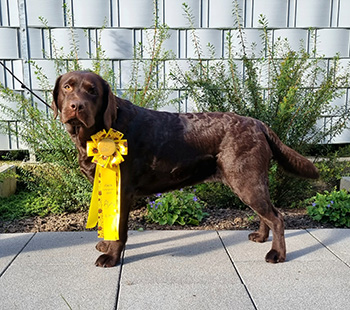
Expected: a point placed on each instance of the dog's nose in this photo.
(76, 106)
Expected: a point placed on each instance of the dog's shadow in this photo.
(301, 243)
(178, 244)
(312, 246)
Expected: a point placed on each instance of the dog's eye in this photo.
(91, 91)
(67, 87)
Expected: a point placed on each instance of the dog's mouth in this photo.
(74, 122)
(73, 119)
(73, 125)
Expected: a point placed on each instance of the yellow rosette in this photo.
(107, 149)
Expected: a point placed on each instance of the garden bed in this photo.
(218, 219)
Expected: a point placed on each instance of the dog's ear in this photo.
(110, 101)
(54, 105)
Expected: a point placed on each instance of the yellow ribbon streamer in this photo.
(107, 150)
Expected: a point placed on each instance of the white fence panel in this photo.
(46, 26)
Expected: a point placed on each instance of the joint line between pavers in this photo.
(237, 272)
(13, 259)
(330, 250)
(119, 280)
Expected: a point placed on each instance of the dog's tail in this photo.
(290, 160)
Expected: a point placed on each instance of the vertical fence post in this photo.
(25, 55)
(24, 44)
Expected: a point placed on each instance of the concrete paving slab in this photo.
(175, 270)
(179, 270)
(10, 246)
(297, 285)
(336, 240)
(300, 246)
(311, 278)
(61, 248)
(57, 271)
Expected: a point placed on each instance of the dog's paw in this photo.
(257, 237)
(102, 246)
(275, 257)
(107, 261)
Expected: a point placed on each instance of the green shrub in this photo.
(26, 203)
(64, 186)
(58, 175)
(146, 87)
(177, 207)
(287, 190)
(218, 195)
(297, 90)
(332, 207)
(56, 179)
(332, 169)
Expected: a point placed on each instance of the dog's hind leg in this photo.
(249, 181)
(273, 220)
(258, 199)
(262, 234)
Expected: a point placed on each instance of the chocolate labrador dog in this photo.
(167, 151)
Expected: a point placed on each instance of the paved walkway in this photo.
(176, 270)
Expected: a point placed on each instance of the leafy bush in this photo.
(177, 207)
(59, 175)
(56, 179)
(147, 87)
(288, 90)
(218, 195)
(26, 203)
(333, 207)
(332, 169)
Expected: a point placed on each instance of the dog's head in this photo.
(83, 100)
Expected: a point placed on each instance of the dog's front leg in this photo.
(113, 249)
